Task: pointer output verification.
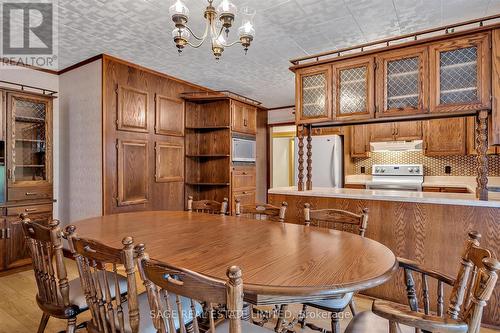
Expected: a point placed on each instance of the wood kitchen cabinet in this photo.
(360, 141)
(244, 118)
(313, 91)
(243, 185)
(402, 82)
(353, 89)
(460, 74)
(444, 137)
(400, 131)
(29, 142)
(246, 197)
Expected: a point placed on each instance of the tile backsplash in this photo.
(433, 166)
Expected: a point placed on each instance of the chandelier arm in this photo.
(196, 45)
(195, 36)
(232, 44)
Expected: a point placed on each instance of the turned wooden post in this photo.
(300, 182)
(482, 158)
(234, 299)
(309, 159)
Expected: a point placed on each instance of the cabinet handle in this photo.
(244, 173)
(244, 192)
(8, 233)
(31, 193)
(245, 123)
(28, 210)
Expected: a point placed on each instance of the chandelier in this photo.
(218, 22)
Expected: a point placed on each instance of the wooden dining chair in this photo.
(162, 280)
(338, 220)
(261, 211)
(208, 206)
(57, 297)
(470, 292)
(112, 298)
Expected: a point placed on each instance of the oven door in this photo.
(393, 186)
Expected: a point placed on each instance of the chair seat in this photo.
(368, 322)
(246, 327)
(77, 297)
(334, 304)
(146, 322)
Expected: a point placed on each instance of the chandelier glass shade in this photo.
(218, 22)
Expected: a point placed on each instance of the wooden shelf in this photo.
(30, 166)
(207, 184)
(30, 119)
(29, 140)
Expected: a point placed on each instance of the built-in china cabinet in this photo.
(26, 129)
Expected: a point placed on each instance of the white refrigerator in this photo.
(327, 161)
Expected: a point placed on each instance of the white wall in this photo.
(23, 75)
(81, 142)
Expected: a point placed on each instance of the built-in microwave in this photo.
(243, 150)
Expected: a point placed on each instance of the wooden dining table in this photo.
(281, 263)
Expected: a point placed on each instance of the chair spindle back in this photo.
(161, 279)
(337, 219)
(208, 206)
(262, 211)
(46, 249)
(471, 289)
(102, 285)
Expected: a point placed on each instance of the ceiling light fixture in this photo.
(218, 22)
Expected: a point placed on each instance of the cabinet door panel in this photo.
(250, 121)
(459, 74)
(238, 117)
(409, 130)
(313, 91)
(360, 141)
(17, 253)
(169, 116)
(29, 129)
(382, 132)
(132, 109)
(353, 84)
(132, 172)
(402, 82)
(445, 137)
(169, 166)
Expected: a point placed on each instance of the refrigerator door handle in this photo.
(332, 165)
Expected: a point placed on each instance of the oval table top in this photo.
(277, 259)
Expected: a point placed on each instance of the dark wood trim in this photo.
(393, 47)
(444, 29)
(281, 107)
(21, 64)
(80, 64)
(413, 117)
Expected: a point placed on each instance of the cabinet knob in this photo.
(31, 193)
(30, 210)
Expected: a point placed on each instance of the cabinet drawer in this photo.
(356, 186)
(30, 210)
(245, 197)
(244, 178)
(29, 193)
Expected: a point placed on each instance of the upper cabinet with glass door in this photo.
(353, 85)
(460, 78)
(402, 82)
(313, 94)
(29, 135)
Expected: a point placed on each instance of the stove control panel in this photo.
(398, 170)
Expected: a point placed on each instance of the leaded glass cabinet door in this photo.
(402, 82)
(29, 135)
(459, 74)
(353, 84)
(313, 95)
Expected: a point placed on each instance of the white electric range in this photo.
(401, 177)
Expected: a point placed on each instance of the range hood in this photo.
(415, 145)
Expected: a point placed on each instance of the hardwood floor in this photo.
(19, 312)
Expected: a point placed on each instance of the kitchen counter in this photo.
(460, 199)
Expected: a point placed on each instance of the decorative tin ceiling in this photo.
(140, 31)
